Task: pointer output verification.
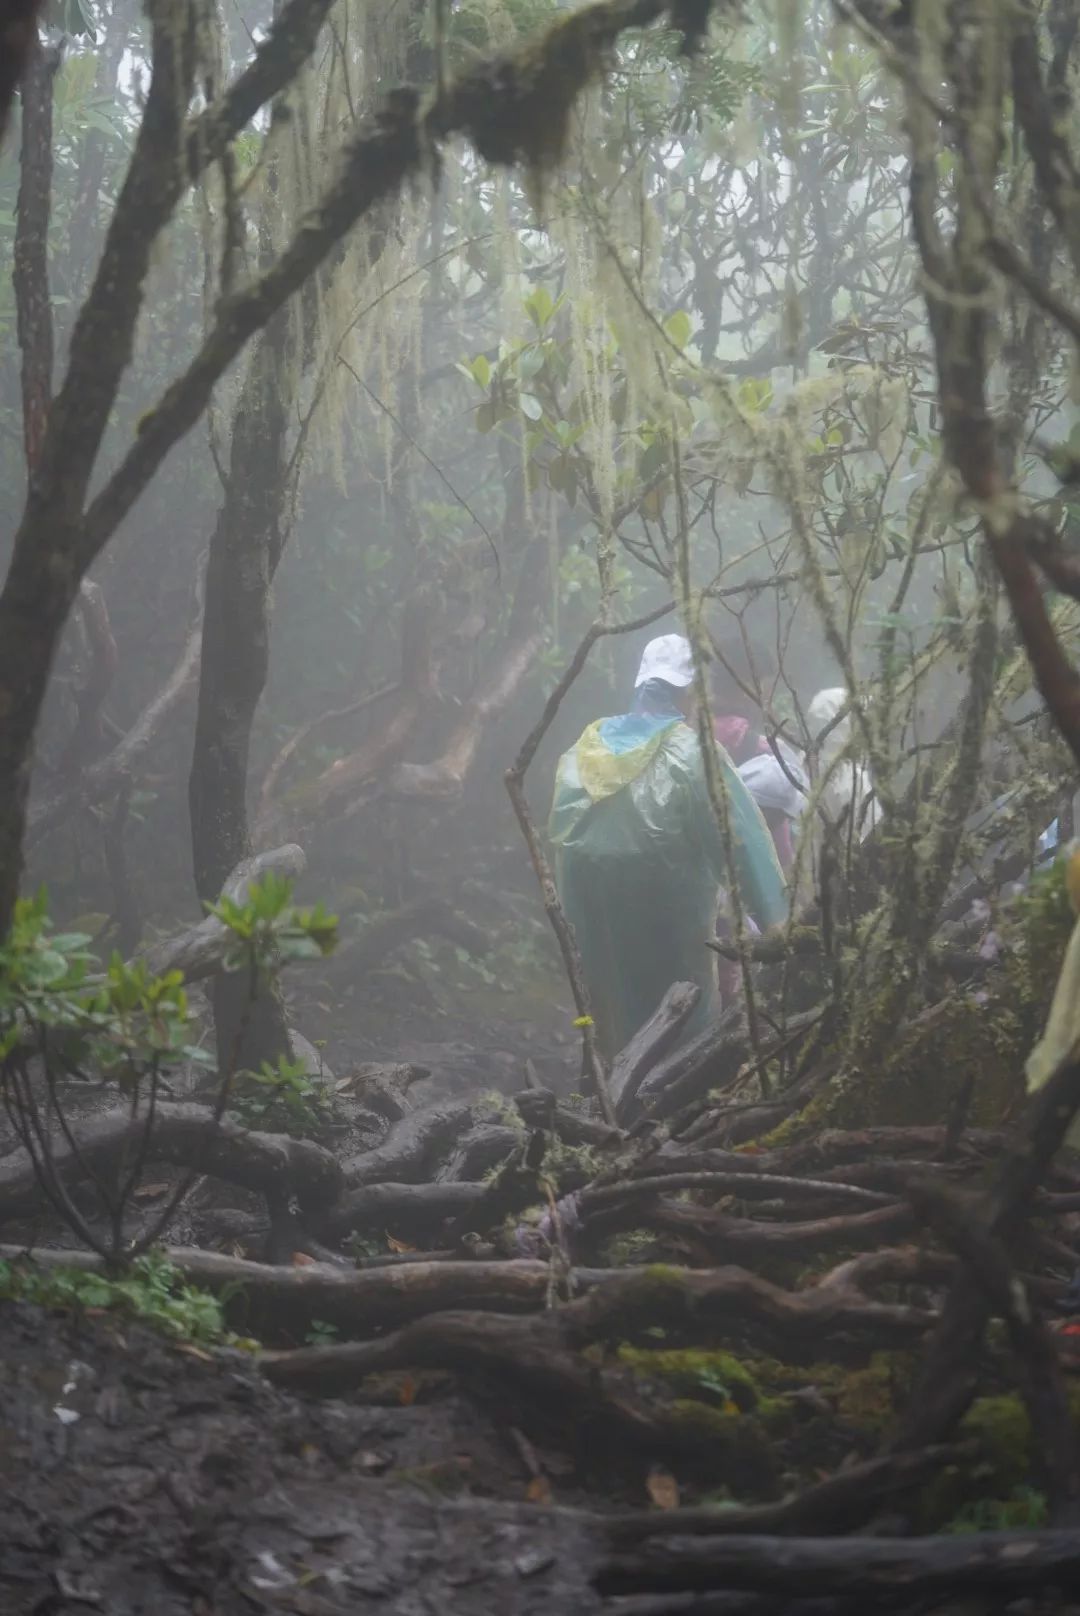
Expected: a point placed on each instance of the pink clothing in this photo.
(732, 733)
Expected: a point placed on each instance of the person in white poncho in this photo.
(846, 788)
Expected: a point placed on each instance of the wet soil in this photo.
(138, 1477)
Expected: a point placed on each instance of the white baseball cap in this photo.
(668, 658)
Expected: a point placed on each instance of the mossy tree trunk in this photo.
(245, 550)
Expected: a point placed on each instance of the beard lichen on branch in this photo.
(516, 108)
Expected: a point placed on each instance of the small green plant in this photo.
(321, 1334)
(282, 1099)
(362, 1247)
(122, 1022)
(1025, 1509)
(63, 1015)
(267, 927)
(152, 1290)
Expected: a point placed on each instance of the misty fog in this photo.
(538, 742)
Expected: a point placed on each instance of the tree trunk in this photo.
(39, 590)
(244, 553)
(34, 605)
(30, 260)
(18, 37)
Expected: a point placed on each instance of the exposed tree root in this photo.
(713, 1303)
(188, 1136)
(405, 1210)
(415, 1147)
(948, 1379)
(904, 1570)
(733, 1239)
(281, 1302)
(838, 1504)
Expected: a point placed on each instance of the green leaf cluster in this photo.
(282, 1099)
(151, 1290)
(268, 927)
(122, 1022)
(119, 1021)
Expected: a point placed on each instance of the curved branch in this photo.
(185, 1135)
(108, 773)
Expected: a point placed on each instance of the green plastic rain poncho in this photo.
(639, 862)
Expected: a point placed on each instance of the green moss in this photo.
(1000, 1426)
(668, 1279)
(727, 1425)
(717, 1376)
(571, 1162)
(797, 1126)
(775, 1414)
(627, 1249)
(868, 1398)
(990, 1036)
(1000, 1429)
(865, 1399)
(1002, 1472)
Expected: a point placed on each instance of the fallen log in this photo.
(513, 1188)
(535, 1363)
(910, 1569)
(721, 1299)
(186, 1136)
(653, 1041)
(383, 1087)
(891, 1265)
(833, 1149)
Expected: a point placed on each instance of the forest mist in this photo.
(774, 254)
(378, 380)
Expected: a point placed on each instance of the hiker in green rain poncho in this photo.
(639, 857)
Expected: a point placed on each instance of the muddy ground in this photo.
(141, 1478)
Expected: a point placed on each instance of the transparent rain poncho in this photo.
(640, 859)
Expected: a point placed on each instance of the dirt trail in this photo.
(137, 1478)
